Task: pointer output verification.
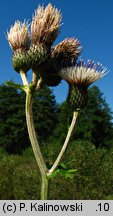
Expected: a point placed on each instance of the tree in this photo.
(13, 131)
(94, 122)
(100, 119)
(45, 113)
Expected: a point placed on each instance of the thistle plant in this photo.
(33, 49)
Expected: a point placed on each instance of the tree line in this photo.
(89, 152)
(52, 120)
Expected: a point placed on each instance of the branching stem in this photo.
(69, 134)
(33, 136)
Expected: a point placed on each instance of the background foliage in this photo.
(90, 150)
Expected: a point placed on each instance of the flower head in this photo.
(37, 54)
(83, 74)
(79, 78)
(62, 55)
(66, 52)
(18, 36)
(19, 40)
(45, 25)
(49, 73)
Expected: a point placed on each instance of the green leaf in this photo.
(72, 170)
(63, 166)
(53, 174)
(15, 85)
(69, 173)
(63, 171)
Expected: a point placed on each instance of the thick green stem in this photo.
(34, 141)
(32, 135)
(69, 134)
(35, 147)
(24, 78)
(44, 187)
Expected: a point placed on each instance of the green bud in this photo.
(37, 54)
(20, 61)
(77, 97)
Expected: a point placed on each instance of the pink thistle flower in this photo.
(83, 74)
(45, 25)
(18, 36)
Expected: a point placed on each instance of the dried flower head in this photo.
(83, 74)
(66, 52)
(49, 73)
(45, 25)
(19, 40)
(18, 36)
(62, 55)
(79, 78)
